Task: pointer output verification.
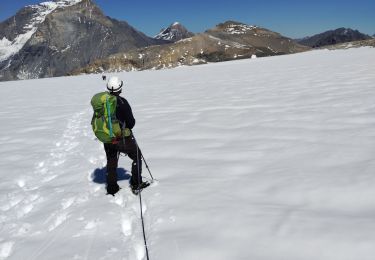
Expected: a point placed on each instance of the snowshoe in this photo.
(138, 188)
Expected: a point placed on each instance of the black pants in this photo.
(128, 146)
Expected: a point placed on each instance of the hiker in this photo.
(104, 77)
(121, 139)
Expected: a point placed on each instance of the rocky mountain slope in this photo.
(227, 41)
(53, 38)
(349, 45)
(174, 32)
(331, 37)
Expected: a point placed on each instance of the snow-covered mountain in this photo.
(174, 32)
(55, 37)
(19, 29)
(264, 159)
(340, 35)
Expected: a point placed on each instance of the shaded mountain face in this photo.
(174, 32)
(340, 35)
(349, 45)
(227, 41)
(53, 38)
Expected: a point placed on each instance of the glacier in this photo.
(268, 158)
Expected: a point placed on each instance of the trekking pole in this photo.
(148, 168)
(143, 158)
(140, 203)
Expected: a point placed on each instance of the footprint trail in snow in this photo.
(57, 206)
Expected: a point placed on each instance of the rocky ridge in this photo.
(349, 45)
(227, 41)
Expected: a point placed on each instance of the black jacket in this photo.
(124, 113)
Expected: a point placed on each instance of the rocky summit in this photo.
(174, 32)
(56, 37)
(227, 41)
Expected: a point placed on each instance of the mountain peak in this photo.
(56, 4)
(38, 14)
(174, 32)
(54, 37)
(233, 27)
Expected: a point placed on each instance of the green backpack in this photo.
(104, 123)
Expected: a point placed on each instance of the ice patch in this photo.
(49, 178)
(144, 208)
(21, 183)
(126, 225)
(41, 164)
(25, 210)
(93, 160)
(13, 200)
(119, 200)
(139, 251)
(91, 225)
(58, 221)
(6, 249)
(67, 203)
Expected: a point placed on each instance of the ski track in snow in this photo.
(291, 136)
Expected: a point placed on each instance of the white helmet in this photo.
(114, 84)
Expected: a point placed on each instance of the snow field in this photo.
(269, 158)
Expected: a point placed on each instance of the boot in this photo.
(112, 186)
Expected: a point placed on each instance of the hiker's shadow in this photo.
(99, 175)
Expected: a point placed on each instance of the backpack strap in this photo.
(109, 117)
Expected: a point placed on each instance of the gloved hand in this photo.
(112, 188)
(126, 132)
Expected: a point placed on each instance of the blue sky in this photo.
(292, 18)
